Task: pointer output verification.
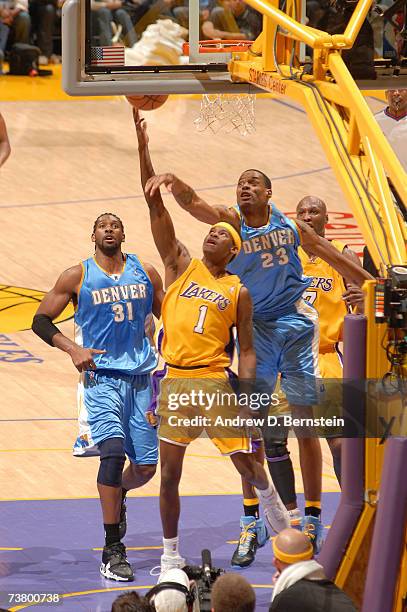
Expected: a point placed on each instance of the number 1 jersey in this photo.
(198, 313)
(111, 314)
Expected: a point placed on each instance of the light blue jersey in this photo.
(269, 266)
(111, 315)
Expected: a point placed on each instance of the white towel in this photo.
(295, 572)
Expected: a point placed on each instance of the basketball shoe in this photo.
(114, 563)
(253, 535)
(313, 528)
(295, 519)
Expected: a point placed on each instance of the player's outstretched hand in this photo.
(141, 128)
(153, 184)
(82, 358)
(354, 296)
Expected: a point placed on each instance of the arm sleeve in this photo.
(44, 328)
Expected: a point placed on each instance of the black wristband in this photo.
(44, 328)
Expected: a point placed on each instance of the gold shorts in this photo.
(188, 407)
(330, 366)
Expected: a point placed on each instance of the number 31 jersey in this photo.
(111, 314)
(198, 313)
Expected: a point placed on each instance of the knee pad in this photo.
(276, 450)
(112, 459)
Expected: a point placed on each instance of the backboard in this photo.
(136, 46)
(102, 57)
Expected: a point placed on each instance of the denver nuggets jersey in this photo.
(325, 294)
(198, 313)
(111, 315)
(269, 265)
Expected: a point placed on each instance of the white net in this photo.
(227, 113)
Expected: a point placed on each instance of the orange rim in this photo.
(216, 46)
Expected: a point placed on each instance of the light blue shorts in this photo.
(289, 345)
(113, 405)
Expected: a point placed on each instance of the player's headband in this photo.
(235, 235)
(292, 558)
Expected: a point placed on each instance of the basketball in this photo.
(146, 102)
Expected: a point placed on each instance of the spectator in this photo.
(5, 149)
(172, 592)
(131, 601)
(302, 584)
(393, 122)
(232, 593)
(233, 19)
(15, 24)
(43, 16)
(224, 19)
(103, 13)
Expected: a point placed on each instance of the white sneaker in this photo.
(43, 60)
(274, 510)
(168, 563)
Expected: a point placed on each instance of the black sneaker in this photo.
(123, 520)
(114, 563)
(253, 535)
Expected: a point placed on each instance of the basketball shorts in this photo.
(190, 407)
(330, 401)
(113, 405)
(289, 345)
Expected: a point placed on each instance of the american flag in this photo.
(107, 56)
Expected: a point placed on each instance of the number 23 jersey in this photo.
(111, 314)
(198, 313)
(269, 265)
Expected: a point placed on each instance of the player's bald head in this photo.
(312, 201)
(312, 210)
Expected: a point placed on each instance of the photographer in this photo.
(302, 584)
(232, 593)
(130, 601)
(174, 592)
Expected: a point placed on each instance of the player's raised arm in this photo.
(174, 255)
(321, 247)
(146, 165)
(158, 289)
(51, 307)
(189, 200)
(244, 326)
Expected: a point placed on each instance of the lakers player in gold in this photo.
(333, 297)
(203, 302)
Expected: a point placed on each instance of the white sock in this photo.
(171, 547)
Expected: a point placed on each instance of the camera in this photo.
(204, 577)
(391, 298)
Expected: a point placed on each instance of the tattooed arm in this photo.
(188, 199)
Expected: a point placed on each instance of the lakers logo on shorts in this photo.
(18, 306)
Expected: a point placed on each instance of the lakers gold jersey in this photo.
(198, 313)
(325, 294)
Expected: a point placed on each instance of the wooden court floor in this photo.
(72, 161)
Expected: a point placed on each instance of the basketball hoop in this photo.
(225, 112)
